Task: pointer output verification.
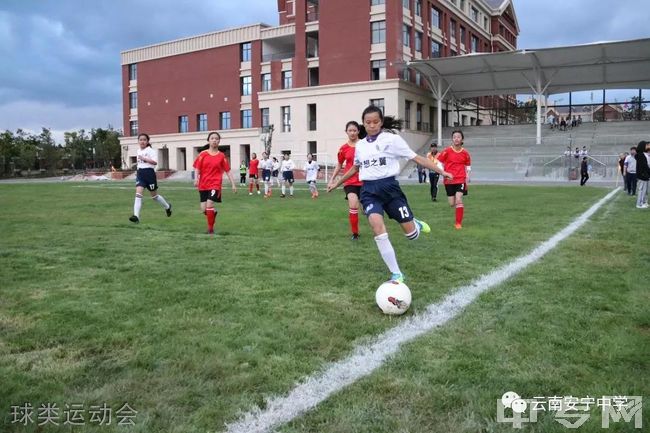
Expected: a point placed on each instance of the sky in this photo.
(61, 59)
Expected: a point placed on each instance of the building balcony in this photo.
(278, 56)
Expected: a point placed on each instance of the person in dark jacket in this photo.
(584, 171)
(642, 173)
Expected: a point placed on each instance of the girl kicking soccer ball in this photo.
(377, 161)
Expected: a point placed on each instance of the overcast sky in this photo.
(61, 59)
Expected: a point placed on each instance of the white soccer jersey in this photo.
(276, 166)
(287, 165)
(311, 171)
(148, 153)
(266, 164)
(379, 159)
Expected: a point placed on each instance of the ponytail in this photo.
(389, 123)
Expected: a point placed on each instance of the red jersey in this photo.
(254, 167)
(211, 169)
(455, 163)
(346, 154)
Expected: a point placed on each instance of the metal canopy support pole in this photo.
(538, 138)
(439, 111)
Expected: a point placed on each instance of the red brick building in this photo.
(308, 76)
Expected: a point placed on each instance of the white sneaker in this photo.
(258, 192)
(643, 206)
(250, 193)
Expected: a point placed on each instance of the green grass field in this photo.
(191, 331)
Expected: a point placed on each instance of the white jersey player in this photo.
(311, 174)
(287, 168)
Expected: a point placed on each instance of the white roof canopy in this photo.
(606, 65)
(545, 71)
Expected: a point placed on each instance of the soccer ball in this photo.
(393, 298)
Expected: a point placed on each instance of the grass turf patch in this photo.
(190, 330)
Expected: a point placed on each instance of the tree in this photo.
(77, 148)
(106, 145)
(635, 108)
(526, 111)
(49, 154)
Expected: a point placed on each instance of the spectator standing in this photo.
(629, 167)
(642, 173)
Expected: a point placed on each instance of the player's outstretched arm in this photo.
(337, 169)
(345, 177)
(431, 166)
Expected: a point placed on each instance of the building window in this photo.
(453, 53)
(418, 116)
(224, 120)
(435, 50)
(133, 100)
(435, 18)
(245, 52)
(133, 71)
(312, 45)
(377, 2)
(286, 118)
(266, 82)
(378, 70)
(462, 35)
(485, 23)
(406, 4)
(407, 114)
(475, 14)
(266, 117)
(312, 77)
(246, 85)
(475, 48)
(312, 148)
(246, 118)
(133, 128)
(202, 122)
(418, 8)
(462, 5)
(378, 32)
(183, 124)
(418, 42)
(406, 35)
(418, 78)
(286, 80)
(406, 74)
(311, 117)
(452, 28)
(379, 103)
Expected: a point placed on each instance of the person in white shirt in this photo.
(311, 174)
(376, 160)
(266, 164)
(629, 167)
(275, 179)
(146, 178)
(286, 168)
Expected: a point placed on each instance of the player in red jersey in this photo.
(253, 174)
(209, 167)
(457, 161)
(352, 186)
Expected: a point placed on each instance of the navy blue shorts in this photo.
(146, 178)
(288, 176)
(385, 195)
(266, 175)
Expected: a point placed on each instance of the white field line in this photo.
(368, 357)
